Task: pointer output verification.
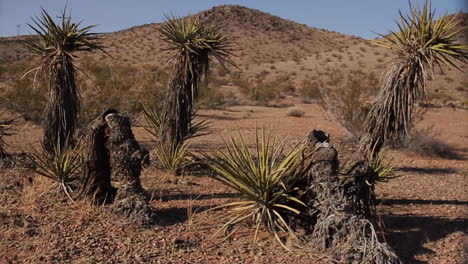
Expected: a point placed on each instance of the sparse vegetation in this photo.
(310, 91)
(310, 194)
(346, 99)
(427, 145)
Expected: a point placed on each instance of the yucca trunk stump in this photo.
(333, 224)
(97, 178)
(116, 154)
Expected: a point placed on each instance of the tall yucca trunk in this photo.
(179, 105)
(61, 113)
(391, 115)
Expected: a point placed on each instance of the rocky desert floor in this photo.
(424, 209)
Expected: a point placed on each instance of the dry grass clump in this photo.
(346, 98)
(296, 111)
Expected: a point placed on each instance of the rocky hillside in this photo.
(267, 47)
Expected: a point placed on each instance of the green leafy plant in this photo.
(421, 44)
(55, 44)
(381, 169)
(63, 165)
(264, 181)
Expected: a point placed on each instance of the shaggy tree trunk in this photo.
(114, 153)
(178, 106)
(337, 228)
(61, 113)
(97, 179)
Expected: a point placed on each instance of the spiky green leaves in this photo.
(192, 45)
(55, 44)
(263, 178)
(420, 44)
(64, 37)
(433, 41)
(63, 165)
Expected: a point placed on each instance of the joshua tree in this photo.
(55, 44)
(193, 45)
(421, 44)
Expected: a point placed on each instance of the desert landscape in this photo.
(286, 78)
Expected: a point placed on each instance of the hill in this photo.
(268, 48)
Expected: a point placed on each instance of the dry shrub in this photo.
(116, 86)
(310, 91)
(265, 91)
(26, 99)
(296, 111)
(346, 98)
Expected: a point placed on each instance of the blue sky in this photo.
(355, 17)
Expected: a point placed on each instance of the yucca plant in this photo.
(63, 165)
(173, 157)
(155, 123)
(420, 44)
(193, 45)
(55, 44)
(5, 130)
(264, 180)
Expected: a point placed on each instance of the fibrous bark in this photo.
(96, 182)
(61, 113)
(337, 228)
(114, 153)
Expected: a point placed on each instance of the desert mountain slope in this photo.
(266, 47)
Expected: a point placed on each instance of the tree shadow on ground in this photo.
(408, 234)
(175, 215)
(420, 201)
(426, 170)
(190, 196)
(219, 117)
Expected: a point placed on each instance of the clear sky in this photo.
(354, 17)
